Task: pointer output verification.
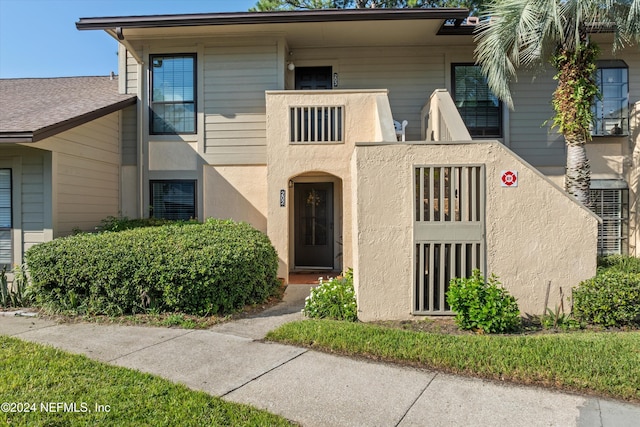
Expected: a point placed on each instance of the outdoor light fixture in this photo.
(291, 66)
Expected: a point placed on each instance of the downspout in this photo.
(118, 34)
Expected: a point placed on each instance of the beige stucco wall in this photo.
(633, 179)
(236, 192)
(321, 162)
(535, 233)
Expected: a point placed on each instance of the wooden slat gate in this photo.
(449, 231)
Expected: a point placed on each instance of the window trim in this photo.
(11, 219)
(605, 64)
(194, 57)
(621, 216)
(501, 131)
(174, 181)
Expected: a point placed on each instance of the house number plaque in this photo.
(283, 198)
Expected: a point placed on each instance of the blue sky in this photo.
(38, 38)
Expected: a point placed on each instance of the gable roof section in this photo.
(34, 109)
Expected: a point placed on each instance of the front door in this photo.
(314, 224)
(313, 78)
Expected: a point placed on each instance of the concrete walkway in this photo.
(312, 388)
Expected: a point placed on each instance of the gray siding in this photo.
(410, 74)
(530, 137)
(129, 136)
(86, 174)
(235, 80)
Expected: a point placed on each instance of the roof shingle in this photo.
(38, 108)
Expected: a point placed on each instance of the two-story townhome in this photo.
(368, 139)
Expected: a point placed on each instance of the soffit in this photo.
(315, 34)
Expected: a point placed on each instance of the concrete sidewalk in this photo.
(312, 388)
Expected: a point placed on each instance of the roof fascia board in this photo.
(52, 130)
(245, 18)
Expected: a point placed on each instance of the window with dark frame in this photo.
(6, 218)
(611, 109)
(480, 109)
(172, 100)
(173, 199)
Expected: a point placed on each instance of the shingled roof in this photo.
(34, 109)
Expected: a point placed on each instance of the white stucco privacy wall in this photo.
(535, 233)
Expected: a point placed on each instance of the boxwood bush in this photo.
(484, 306)
(612, 298)
(210, 268)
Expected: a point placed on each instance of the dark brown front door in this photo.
(314, 224)
(313, 78)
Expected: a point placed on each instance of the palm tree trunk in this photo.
(578, 173)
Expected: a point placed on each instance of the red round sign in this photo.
(509, 178)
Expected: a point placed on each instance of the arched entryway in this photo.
(315, 223)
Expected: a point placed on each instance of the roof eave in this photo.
(279, 17)
(56, 128)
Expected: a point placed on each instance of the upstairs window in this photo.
(173, 94)
(480, 109)
(611, 110)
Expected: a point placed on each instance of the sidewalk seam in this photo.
(416, 400)
(149, 346)
(264, 373)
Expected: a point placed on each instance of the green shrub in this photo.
(624, 263)
(334, 299)
(483, 306)
(121, 223)
(17, 294)
(612, 298)
(200, 269)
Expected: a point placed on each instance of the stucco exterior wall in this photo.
(236, 192)
(535, 233)
(326, 162)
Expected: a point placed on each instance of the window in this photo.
(611, 110)
(173, 199)
(610, 201)
(6, 223)
(480, 109)
(173, 94)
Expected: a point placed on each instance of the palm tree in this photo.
(526, 33)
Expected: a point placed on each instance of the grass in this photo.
(605, 363)
(50, 378)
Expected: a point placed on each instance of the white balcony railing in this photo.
(317, 124)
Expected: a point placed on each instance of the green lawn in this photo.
(601, 363)
(61, 389)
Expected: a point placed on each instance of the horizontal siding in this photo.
(33, 194)
(235, 81)
(129, 136)
(87, 172)
(530, 137)
(132, 74)
(409, 76)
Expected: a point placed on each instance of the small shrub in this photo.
(559, 320)
(17, 294)
(121, 223)
(624, 263)
(483, 306)
(201, 269)
(612, 298)
(334, 299)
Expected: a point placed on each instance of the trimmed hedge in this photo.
(209, 268)
(612, 298)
